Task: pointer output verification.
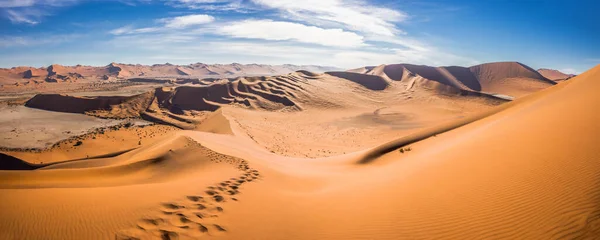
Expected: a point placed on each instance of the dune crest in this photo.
(555, 75)
(505, 78)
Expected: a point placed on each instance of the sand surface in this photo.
(367, 154)
(24, 127)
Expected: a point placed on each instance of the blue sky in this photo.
(345, 33)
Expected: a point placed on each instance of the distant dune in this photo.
(554, 75)
(491, 83)
(504, 78)
(58, 73)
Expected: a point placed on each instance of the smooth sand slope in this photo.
(525, 169)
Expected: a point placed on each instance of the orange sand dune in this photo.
(110, 107)
(506, 78)
(554, 75)
(525, 169)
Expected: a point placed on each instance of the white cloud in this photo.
(130, 30)
(187, 46)
(28, 16)
(121, 30)
(355, 15)
(188, 20)
(375, 23)
(30, 11)
(282, 31)
(179, 22)
(212, 5)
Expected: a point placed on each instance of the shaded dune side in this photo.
(500, 77)
(8, 162)
(154, 163)
(554, 75)
(109, 106)
(269, 93)
(372, 82)
(491, 72)
(266, 93)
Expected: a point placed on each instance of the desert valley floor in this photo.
(492, 151)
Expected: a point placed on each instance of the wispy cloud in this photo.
(130, 30)
(174, 23)
(27, 17)
(30, 11)
(213, 5)
(373, 22)
(280, 31)
(27, 41)
(355, 15)
(188, 20)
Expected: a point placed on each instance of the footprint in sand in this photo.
(219, 228)
(192, 218)
(195, 198)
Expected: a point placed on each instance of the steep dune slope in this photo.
(372, 82)
(107, 107)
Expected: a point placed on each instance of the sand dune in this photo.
(461, 162)
(554, 75)
(372, 82)
(505, 78)
(107, 107)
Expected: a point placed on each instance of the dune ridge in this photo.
(555, 75)
(505, 78)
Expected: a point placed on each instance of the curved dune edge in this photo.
(157, 162)
(372, 154)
